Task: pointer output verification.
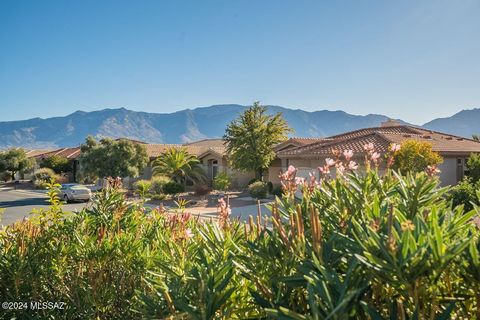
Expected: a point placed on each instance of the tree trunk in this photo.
(259, 174)
(13, 175)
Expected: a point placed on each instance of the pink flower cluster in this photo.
(224, 211)
(432, 170)
(340, 167)
(177, 223)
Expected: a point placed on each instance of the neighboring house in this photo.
(454, 150)
(212, 156)
(72, 154)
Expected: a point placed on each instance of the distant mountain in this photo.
(464, 123)
(178, 127)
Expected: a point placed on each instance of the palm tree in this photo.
(179, 165)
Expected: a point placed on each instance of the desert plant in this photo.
(258, 190)
(222, 181)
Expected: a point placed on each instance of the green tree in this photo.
(473, 167)
(58, 164)
(112, 158)
(15, 160)
(415, 156)
(179, 165)
(476, 137)
(251, 139)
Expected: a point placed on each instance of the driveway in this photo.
(19, 203)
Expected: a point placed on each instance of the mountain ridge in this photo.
(193, 124)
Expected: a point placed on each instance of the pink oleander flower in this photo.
(353, 165)
(299, 180)
(340, 168)
(432, 170)
(476, 221)
(291, 169)
(369, 147)
(348, 154)
(188, 233)
(375, 156)
(330, 162)
(394, 147)
(324, 170)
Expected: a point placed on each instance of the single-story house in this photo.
(454, 150)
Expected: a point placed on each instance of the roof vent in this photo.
(407, 135)
(390, 123)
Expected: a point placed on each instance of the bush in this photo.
(473, 166)
(158, 183)
(465, 193)
(57, 163)
(5, 176)
(202, 190)
(252, 181)
(43, 176)
(415, 156)
(277, 190)
(142, 188)
(173, 187)
(258, 190)
(222, 181)
(270, 187)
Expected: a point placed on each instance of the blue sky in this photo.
(414, 60)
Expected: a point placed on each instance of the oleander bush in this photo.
(354, 246)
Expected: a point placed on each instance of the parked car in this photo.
(75, 192)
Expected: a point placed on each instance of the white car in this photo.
(75, 192)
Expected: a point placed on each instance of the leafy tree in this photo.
(476, 137)
(415, 156)
(58, 164)
(179, 165)
(251, 139)
(473, 166)
(15, 160)
(112, 158)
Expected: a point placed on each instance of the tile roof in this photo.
(69, 153)
(295, 142)
(382, 137)
(155, 150)
(35, 152)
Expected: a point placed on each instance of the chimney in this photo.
(390, 123)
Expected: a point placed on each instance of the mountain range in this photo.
(194, 124)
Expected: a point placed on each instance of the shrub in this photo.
(158, 183)
(465, 193)
(415, 156)
(258, 190)
(473, 166)
(43, 176)
(270, 187)
(5, 176)
(142, 188)
(202, 190)
(57, 163)
(222, 181)
(173, 187)
(277, 190)
(252, 181)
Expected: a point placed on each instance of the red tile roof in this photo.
(69, 153)
(382, 138)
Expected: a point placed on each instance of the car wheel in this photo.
(65, 198)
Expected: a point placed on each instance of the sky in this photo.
(414, 60)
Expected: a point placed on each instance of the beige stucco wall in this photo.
(448, 171)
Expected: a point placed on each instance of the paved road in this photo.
(19, 203)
